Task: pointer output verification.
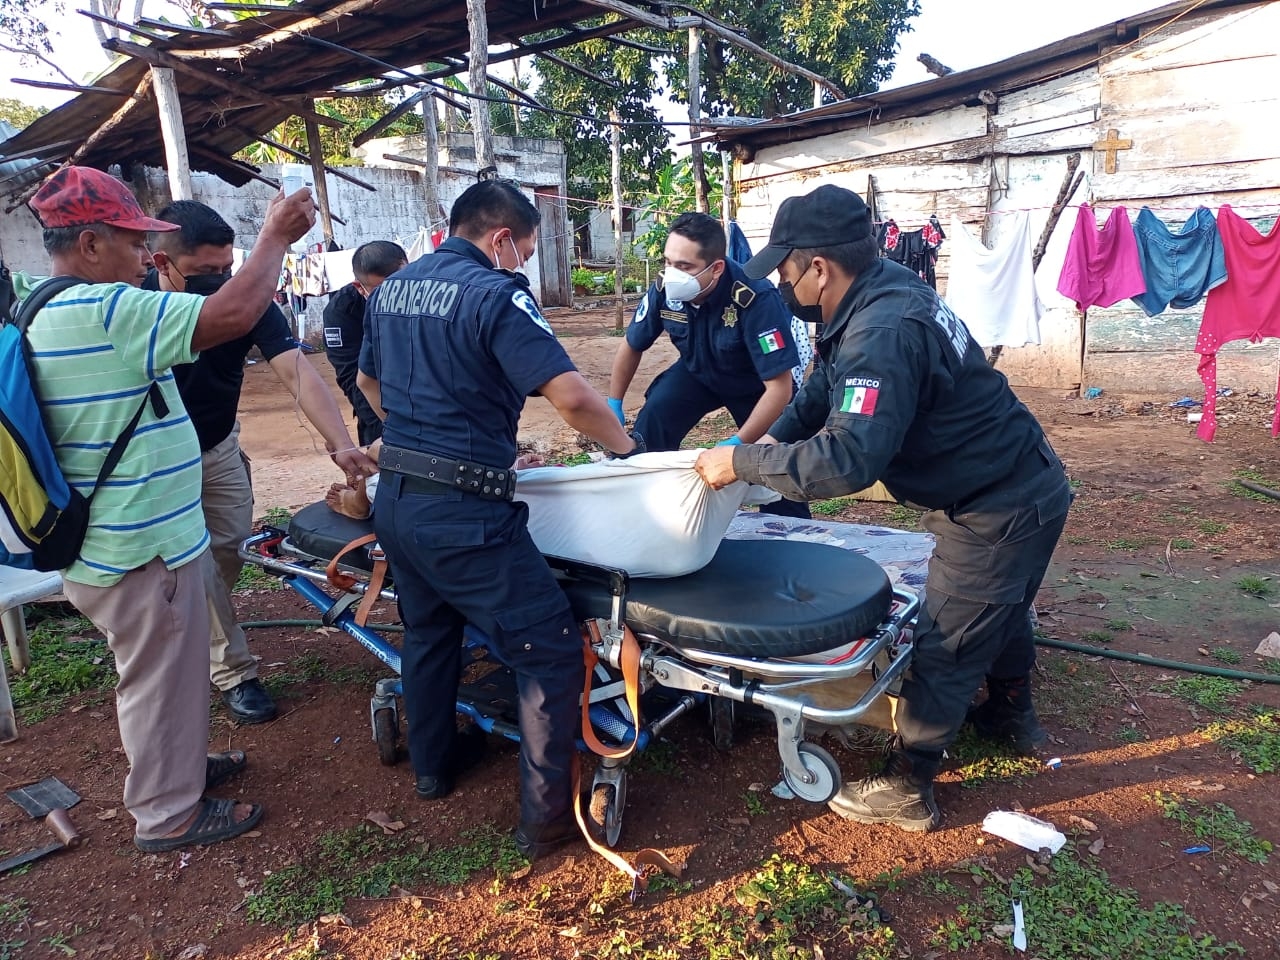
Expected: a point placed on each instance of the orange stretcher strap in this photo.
(630, 663)
(344, 581)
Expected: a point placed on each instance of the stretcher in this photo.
(769, 623)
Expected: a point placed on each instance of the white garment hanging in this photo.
(994, 291)
(337, 270)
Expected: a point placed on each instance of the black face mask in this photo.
(805, 312)
(204, 284)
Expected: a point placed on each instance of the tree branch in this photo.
(28, 52)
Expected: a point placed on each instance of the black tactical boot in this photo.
(468, 749)
(901, 795)
(536, 840)
(1008, 715)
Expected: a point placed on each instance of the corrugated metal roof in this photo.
(22, 170)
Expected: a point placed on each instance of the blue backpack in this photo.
(43, 519)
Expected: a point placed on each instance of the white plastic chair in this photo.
(16, 588)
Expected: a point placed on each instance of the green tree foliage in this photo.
(23, 24)
(19, 114)
(358, 112)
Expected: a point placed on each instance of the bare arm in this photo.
(585, 410)
(234, 309)
(625, 364)
(776, 396)
(321, 409)
(372, 391)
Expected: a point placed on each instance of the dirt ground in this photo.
(1152, 561)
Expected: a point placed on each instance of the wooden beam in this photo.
(242, 50)
(119, 116)
(695, 109)
(430, 180)
(160, 58)
(388, 118)
(720, 30)
(477, 80)
(581, 71)
(43, 152)
(299, 155)
(71, 87)
(253, 173)
(172, 133)
(615, 177)
(125, 26)
(400, 158)
(316, 148)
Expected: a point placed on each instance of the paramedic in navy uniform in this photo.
(734, 338)
(453, 345)
(903, 394)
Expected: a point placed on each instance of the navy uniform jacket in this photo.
(736, 340)
(905, 396)
(344, 334)
(456, 347)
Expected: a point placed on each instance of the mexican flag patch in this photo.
(860, 394)
(772, 341)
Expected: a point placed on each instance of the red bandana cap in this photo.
(82, 196)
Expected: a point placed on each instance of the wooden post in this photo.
(726, 190)
(695, 128)
(615, 145)
(316, 149)
(172, 132)
(481, 127)
(431, 158)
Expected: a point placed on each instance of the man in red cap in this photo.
(103, 349)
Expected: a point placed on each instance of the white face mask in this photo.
(682, 287)
(521, 262)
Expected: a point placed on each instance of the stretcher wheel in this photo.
(604, 816)
(822, 767)
(722, 716)
(386, 733)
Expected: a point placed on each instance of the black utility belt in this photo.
(487, 483)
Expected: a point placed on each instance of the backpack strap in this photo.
(32, 305)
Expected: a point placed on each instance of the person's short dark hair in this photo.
(491, 204)
(704, 230)
(201, 226)
(378, 258)
(64, 239)
(853, 258)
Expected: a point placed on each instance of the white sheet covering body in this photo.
(651, 515)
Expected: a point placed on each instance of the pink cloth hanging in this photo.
(1102, 266)
(1246, 307)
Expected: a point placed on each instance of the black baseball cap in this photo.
(826, 217)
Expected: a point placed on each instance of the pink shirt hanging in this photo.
(1246, 307)
(1102, 266)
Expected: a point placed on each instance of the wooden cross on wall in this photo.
(1111, 144)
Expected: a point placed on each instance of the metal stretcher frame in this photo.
(688, 675)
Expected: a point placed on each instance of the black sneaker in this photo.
(249, 702)
(1008, 715)
(537, 840)
(468, 749)
(895, 796)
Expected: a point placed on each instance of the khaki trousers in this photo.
(157, 625)
(227, 497)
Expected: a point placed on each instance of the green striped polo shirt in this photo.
(98, 348)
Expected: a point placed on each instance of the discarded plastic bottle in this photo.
(1024, 830)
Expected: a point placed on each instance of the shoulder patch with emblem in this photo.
(333, 336)
(742, 295)
(524, 303)
(730, 316)
(642, 310)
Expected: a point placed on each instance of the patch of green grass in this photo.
(755, 804)
(1073, 691)
(1182, 543)
(1256, 586)
(1075, 910)
(1255, 740)
(1076, 540)
(830, 508)
(277, 517)
(1097, 636)
(14, 917)
(904, 517)
(1211, 527)
(1119, 626)
(937, 886)
(309, 667)
(1075, 484)
(361, 862)
(1218, 825)
(253, 577)
(1227, 655)
(660, 757)
(1240, 490)
(1130, 734)
(1212, 693)
(572, 460)
(981, 761)
(66, 659)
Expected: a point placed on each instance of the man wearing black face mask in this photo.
(903, 394)
(197, 259)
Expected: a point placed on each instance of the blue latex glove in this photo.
(733, 441)
(616, 406)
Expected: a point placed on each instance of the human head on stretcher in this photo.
(903, 394)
